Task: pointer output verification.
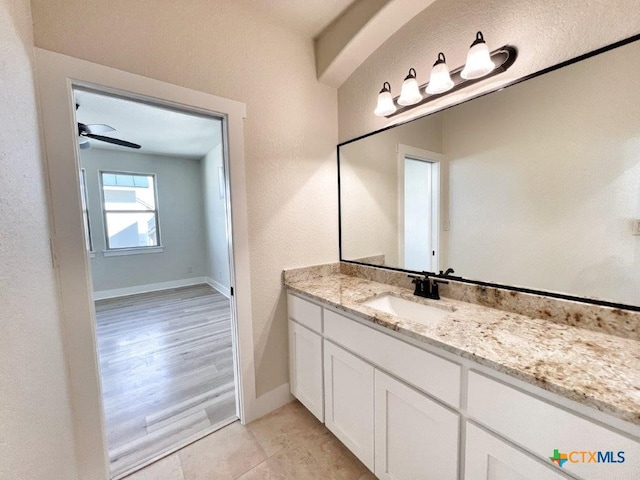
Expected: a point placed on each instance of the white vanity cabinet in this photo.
(374, 400)
(410, 412)
(540, 427)
(489, 458)
(348, 386)
(415, 438)
(305, 354)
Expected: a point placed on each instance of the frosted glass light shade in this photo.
(440, 79)
(385, 104)
(479, 61)
(410, 93)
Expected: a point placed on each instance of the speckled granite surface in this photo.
(623, 323)
(594, 368)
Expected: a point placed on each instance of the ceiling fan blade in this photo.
(115, 141)
(99, 128)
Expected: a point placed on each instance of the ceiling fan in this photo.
(95, 131)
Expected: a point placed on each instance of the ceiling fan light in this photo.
(385, 104)
(410, 93)
(479, 61)
(440, 79)
(99, 128)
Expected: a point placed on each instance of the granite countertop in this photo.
(593, 368)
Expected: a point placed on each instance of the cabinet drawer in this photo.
(542, 428)
(428, 372)
(488, 458)
(305, 313)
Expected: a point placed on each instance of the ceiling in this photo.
(308, 17)
(158, 130)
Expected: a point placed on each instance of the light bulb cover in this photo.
(385, 104)
(410, 93)
(440, 79)
(479, 61)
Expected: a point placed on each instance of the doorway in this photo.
(418, 208)
(57, 76)
(153, 188)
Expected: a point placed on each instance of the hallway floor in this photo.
(166, 366)
(287, 444)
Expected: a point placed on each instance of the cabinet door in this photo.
(415, 437)
(348, 389)
(488, 458)
(305, 368)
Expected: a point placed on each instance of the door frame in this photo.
(415, 153)
(57, 75)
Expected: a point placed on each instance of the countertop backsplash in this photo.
(622, 323)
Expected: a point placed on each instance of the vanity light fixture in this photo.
(481, 64)
(479, 61)
(440, 79)
(385, 105)
(410, 93)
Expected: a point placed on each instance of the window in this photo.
(85, 211)
(130, 210)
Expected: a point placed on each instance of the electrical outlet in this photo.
(636, 227)
(190, 270)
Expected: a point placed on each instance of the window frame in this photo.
(86, 217)
(138, 248)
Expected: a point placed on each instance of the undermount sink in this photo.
(401, 307)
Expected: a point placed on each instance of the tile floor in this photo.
(287, 444)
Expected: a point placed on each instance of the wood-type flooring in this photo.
(166, 365)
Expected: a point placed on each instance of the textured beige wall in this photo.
(224, 49)
(544, 31)
(35, 423)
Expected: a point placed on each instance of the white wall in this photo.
(545, 32)
(226, 49)
(544, 177)
(370, 204)
(215, 215)
(35, 424)
(181, 220)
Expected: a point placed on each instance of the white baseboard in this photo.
(152, 287)
(272, 400)
(218, 286)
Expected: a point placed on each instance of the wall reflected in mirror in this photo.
(535, 186)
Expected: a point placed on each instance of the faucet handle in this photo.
(419, 283)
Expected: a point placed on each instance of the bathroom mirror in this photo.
(535, 186)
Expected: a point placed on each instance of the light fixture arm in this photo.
(503, 57)
(479, 39)
(441, 59)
